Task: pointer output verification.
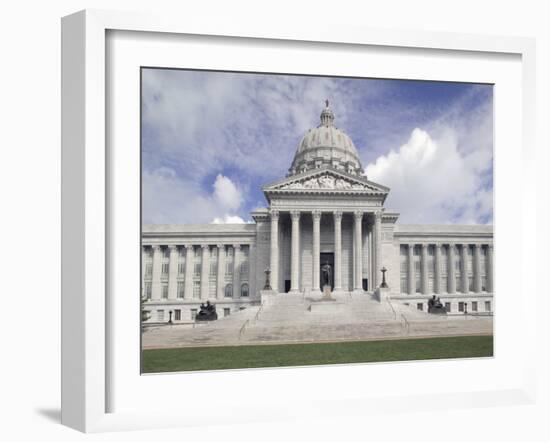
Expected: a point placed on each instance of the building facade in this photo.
(324, 212)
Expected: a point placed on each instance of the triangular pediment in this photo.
(326, 180)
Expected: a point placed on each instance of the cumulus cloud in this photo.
(210, 140)
(228, 219)
(171, 199)
(227, 193)
(432, 181)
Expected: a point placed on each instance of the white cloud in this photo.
(170, 199)
(248, 126)
(228, 219)
(431, 181)
(227, 193)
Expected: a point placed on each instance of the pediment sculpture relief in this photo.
(325, 182)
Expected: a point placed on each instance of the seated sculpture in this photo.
(435, 306)
(207, 312)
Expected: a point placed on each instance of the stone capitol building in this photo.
(325, 214)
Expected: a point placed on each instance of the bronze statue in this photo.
(207, 312)
(436, 306)
(326, 272)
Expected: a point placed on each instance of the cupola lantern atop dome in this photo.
(327, 116)
(326, 146)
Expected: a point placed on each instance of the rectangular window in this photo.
(181, 289)
(404, 288)
(420, 306)
(181, 268)
(461, 307)
(212, 289)
(448, 307)
(487, 306)
(418, 284)
(165, 267)
(471, 283)
(457, 258)
(244, 268)
(177, 315)
(164, 291)
(474, 306)
(148, 269)
(196, 289)
(160, 315)
(193, 314)
(197, 269)
(483, 283)
(226, 312)
(213, 268)
(147, 290)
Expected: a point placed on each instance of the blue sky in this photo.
(210, 140)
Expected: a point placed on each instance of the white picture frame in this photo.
(86, 202)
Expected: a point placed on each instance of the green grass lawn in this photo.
(284, 355)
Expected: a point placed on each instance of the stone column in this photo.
(451, 272)
(173, 273)
(410, 268)
(189, 271)
(252, 275)
(337, 251)
(157, 268)
(358, 247)
(316, 215)
(220, 277)
(295, 252)
(205, 271)
(236, 271)
(274, 250)
(424, 269)
(464, 274)
(437, 270)
(490, 268)
(477, 268)
(377, 249)
(143, 263)
(369, 245)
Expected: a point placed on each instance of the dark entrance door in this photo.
(327, 258)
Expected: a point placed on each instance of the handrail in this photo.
(241, 331)
(258, 313)
(407, 325)
(392, 309)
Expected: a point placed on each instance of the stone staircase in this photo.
(304, 317)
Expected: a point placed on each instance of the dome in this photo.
(326, 145)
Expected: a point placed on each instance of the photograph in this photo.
(304, 220)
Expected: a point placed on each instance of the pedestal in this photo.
(382, 293)
(327, 292)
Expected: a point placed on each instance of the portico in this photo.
(301, 225)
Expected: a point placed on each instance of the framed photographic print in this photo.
(322, 219)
